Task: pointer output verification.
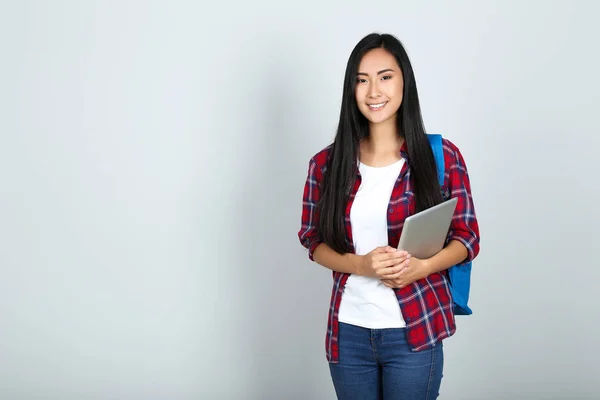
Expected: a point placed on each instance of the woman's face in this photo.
(379, 86)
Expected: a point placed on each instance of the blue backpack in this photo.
(459, 275)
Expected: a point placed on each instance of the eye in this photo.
(360, 80)
(386, 77)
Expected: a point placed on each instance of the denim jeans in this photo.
(377, 364)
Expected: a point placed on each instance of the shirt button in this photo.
(391, 210)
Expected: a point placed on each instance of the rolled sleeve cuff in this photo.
(470, 243)
(311, 248)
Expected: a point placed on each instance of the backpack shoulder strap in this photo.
(435, 140)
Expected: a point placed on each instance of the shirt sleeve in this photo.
(308, 234)
(464, 226)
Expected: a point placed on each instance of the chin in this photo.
(378, 119)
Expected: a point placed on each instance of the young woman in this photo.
(389, 311)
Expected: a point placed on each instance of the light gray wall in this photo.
(140, 260)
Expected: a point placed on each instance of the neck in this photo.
(384, 138)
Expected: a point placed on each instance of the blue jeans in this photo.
(376, 364)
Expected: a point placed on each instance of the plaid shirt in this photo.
(426, 305)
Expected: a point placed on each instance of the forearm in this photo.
(330, 259)
(455, 252)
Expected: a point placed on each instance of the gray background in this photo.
(140, 260)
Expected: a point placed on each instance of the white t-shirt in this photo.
(366, 301)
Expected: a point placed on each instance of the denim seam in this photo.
(431, 372)
(374, 345)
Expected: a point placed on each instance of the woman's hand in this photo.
(383, 262)
(411, 271)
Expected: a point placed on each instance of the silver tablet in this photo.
(424, 234)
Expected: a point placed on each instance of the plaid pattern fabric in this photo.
(426, 305)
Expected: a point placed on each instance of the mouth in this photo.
(377, 107)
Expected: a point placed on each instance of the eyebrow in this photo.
(378, 73)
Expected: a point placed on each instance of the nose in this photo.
(374, 90)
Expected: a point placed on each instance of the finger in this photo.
(379, 265)
(402, 264)
(396, 278)
(395, 256)
(390, 271)
(395, 271)
(393, 278)
(399, 252)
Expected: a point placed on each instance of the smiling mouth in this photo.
(377, 107)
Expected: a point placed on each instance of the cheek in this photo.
(396, 96)
(399, 99)
(399, 90)
(359, 93)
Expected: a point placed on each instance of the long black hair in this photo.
(340, 173)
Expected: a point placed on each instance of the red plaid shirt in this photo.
(426, 305)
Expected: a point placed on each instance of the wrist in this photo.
(357, 264)
(427, 267)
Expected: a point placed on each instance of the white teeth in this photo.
(376, 106)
